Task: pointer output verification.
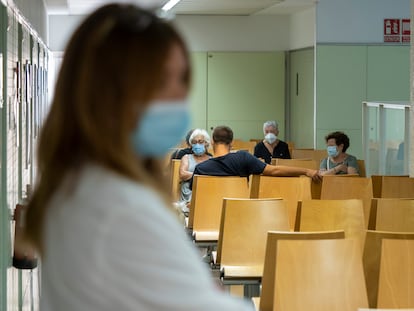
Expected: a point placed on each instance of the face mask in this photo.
(332, 151)
(198, 149)
(270, 138)
(168, 121)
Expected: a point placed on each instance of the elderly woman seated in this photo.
(338, 161)
(199, 141)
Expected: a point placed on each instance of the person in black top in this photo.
(271, 146)
(179, 153)
(242, 163)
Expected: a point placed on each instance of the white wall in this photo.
(235, 33)
(302, 29)
(356, 21)
(203, 33)
(61, 28)
(220, 33)
(34, 12)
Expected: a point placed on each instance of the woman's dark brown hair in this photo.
(112, 67)
(340, 138)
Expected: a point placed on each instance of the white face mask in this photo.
(270, 138)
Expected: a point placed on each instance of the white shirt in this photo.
(112, 244)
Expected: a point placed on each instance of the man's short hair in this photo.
(222, 135)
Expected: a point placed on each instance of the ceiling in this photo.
(190, 7)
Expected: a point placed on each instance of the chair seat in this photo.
(242, 272)
(204, 236)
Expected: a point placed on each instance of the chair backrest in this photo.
(207, 200)
(327, 215)
(362, 169)
(338, 188)
(269, 268)
(175, 179)
(315, 154)
(393, 186)
(305, 163)
(291, 189)
(248, 146)
(392, 215)
(319, 275)
(396, 280)
(243, 231)
(372, 260)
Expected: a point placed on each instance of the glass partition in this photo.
(386, 137)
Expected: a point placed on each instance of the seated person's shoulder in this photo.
(351, 158)
(178, 154)
(282, 143)
(203, 164)
(241, 154)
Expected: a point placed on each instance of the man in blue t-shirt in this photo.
(242, 163)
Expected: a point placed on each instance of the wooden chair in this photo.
(291, 189)
(327, 215)
(319, 275)
(392, 186)
(339, 188)
(242, 237)
(248, 146)
(207, 202)
(372, 261)
(305, 163)
(392, 215)
(396, 280)
(314, 154)
(362, 169)
(317, 187)
(269, 268)
(175, 179)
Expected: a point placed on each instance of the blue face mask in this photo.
(332, 151)
(198, 149)
(168, 121)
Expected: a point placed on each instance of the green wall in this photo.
(239, 89)
(198, 96)
(243, 89)
(348, 75)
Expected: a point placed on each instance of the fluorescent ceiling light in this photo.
(170, 4)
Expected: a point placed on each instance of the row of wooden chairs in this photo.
(352, 224)
(294, 189)
(331, 273)
(208, 192)
(246, 222)
(386, 214)
(375, 186)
